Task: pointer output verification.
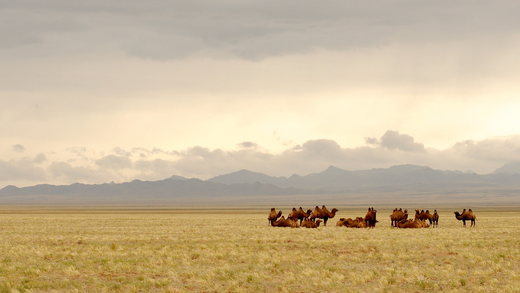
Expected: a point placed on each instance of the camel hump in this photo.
(470, 210)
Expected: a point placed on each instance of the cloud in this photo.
(24, 169)
(247, 145)
(498, 149)
(114, 162)
(393, 148)
(253, 29)
(18, 148)
(371, 141)
(65, 172)
(40, 158)
(404, 142)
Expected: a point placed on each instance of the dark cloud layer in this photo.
(252, 29)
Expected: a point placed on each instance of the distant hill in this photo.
(402, 182)
(511, 168)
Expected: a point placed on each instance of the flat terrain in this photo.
(236, 251)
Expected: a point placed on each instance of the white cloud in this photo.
(114, 162)
(394, 140)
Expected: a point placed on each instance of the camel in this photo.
(323, 213)
(422, 215)
(435, 219)
(409, 224)
(397, 216)
(424, 224)
(273, 215)
(284, 223)
(466, 216)
(299, 214)
(310, 224)
(370, 218)
(359, 222)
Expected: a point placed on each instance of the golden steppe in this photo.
(193, 250)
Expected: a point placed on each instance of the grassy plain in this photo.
(236, 251)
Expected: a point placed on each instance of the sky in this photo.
(101, 91)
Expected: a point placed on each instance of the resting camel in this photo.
(310, 224)
(273, 215)
(323, 213)
(397, 216)
(299, 214)
(410, 224)
(284, 223)
(466, 216)
(370, 218)
(435, 219)
(359, 222)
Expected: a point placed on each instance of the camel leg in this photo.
(325, 221)
(464, 222)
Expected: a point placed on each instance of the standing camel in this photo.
(299, 214)
(435, 219)
(370, 218)
(466, 216)
(323, 213)
(397, 216)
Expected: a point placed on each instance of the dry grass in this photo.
(239, 253)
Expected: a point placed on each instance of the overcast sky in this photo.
(100, 91)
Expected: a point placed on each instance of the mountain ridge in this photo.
(333, 181)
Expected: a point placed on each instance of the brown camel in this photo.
(299, 214)
(424, 224)
(323, 213)
(397, 216)
(370, 218)
(359, 222)
(410, 224)
(435, 219)
(284, 223)
(466, 216)
(422, 215)
(310, 224)
(273, 215)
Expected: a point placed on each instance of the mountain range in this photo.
(401, 182)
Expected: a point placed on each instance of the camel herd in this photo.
(398, 218)
(309, 219)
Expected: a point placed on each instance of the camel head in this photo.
(456, 213)
(309, 212)
(334, 210)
